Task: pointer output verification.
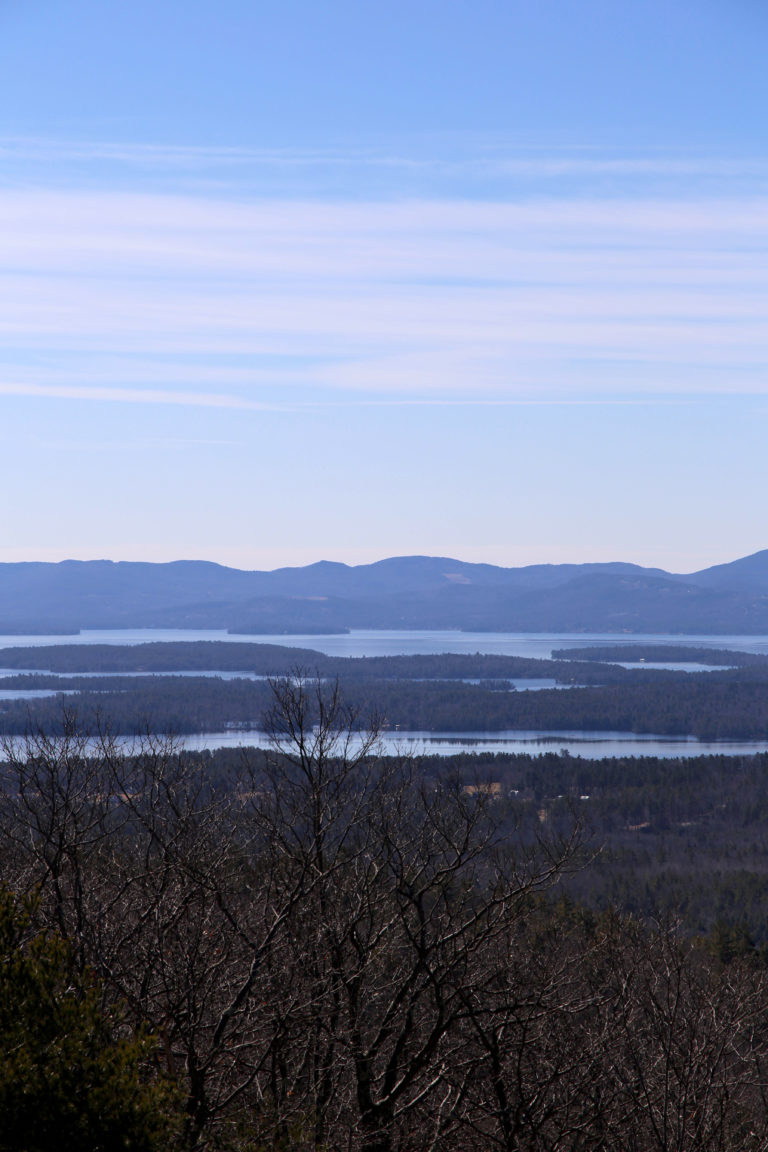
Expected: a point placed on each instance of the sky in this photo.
(291, 280)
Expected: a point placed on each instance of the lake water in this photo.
(539, 645)
(673, 666)
(371, 642)
(590, 745)
(32, 693)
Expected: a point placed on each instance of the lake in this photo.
(590, 745)
(33, 693)
(372, 642)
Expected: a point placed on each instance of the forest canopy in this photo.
(323, 947)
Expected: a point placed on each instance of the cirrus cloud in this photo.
(191, 299)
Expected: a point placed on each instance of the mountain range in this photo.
(409, 592)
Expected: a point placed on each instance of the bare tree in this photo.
(143, 867)
(58, 818)
(407, 884)
(688, 1045)
(539, 1026)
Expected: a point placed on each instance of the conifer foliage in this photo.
(70, 1078)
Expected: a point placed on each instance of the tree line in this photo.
(710, 705)
(663, 654)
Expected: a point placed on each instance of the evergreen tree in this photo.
(68, 1080)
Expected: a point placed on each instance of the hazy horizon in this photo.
(375, 560)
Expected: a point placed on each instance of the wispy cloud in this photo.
(537, 167)
(501, 157)
(133, 396)
(120, 395)
(193, 300)
(189, 156)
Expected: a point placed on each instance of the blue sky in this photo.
(290, 281)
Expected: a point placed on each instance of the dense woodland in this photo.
(425, 693)
(318, 948)
(684, 838)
